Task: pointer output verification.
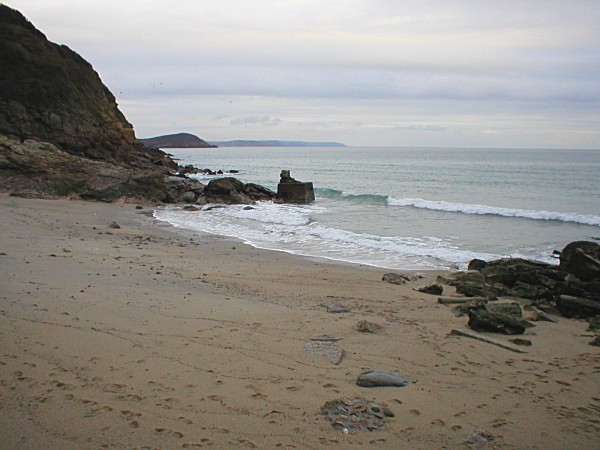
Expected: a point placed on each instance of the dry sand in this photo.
(151, 337)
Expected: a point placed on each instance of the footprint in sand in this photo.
(415, 412)
(244, 443)
(169, 432)
(98, 411)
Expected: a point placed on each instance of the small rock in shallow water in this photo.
(373, 378)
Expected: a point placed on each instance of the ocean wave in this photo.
(271, 213)
(335, 194)
(263, 228)
(463, 208)
(466, 208)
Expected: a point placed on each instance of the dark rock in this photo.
(234, 171)
(373, 378)
(293, 191)
(582, 259)
(189, 197)
(114, 225)
(368, 327)
(480, 320)
(577, 307)
(231, 191)
(531, 291)
(472, 277)
(596, 341)
(210, 208)
(248, 208)
(187, 170)
(575, 287)
(434, 289)
(471, 290)
(191, 208)
(465, 308)
(477, 264)
(510, 309)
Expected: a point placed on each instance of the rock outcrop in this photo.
(232, 191)
(572, 288)
(63, 135)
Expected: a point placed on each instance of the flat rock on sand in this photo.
(327, 349)
(373, 378)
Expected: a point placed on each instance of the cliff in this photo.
(179, 140)
(61, 131)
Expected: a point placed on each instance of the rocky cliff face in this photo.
(61, 131)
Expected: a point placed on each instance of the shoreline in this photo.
(155, 336)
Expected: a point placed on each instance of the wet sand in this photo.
(151, 337)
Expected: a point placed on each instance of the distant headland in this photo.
(178, 140)
(275, 143)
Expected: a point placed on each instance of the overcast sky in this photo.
(442, 73)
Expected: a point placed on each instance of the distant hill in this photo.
(178, 140)
(274, 143)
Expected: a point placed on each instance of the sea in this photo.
(407, 208)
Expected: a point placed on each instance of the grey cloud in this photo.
(255, 120)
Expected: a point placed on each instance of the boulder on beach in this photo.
(483, 320)
(232, 191)
(582, 259)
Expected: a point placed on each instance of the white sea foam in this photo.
(292, 229)
(466, 208)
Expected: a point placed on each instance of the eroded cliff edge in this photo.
(61, 131)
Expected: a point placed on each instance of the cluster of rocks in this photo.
(358, 414)
(189, 169)
(499, 294)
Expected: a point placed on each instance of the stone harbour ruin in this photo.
(294, 191)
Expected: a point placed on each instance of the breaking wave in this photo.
(462, 208)
(466, 208)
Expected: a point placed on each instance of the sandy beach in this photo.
(149, 337)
